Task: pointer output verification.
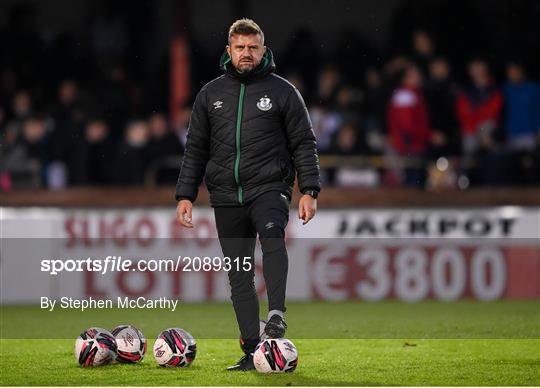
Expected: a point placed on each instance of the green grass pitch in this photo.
(352, 343)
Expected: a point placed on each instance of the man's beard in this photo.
(244, 70)
(249, 66)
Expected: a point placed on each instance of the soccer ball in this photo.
(175, 347)
(95, 346)
(275, 356)
(131, 344)
(262, 334)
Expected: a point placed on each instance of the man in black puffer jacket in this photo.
(249, 135)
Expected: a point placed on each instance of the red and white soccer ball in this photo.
(275, 356)
(175, 348)
(94, 347)
(131, 344)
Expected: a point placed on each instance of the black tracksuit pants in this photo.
(266, 215)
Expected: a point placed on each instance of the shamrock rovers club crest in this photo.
(264, 103)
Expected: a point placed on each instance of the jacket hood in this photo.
(266, 66)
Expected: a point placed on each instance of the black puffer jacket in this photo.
(248, 134)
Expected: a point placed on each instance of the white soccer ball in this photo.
(275, 356)
(131, 344)
(94, 347)
(175, 348)
(262, 334)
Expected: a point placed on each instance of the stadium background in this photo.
(94, 102)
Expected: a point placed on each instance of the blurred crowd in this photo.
(415, 117)
(66, 146)
(418, 123)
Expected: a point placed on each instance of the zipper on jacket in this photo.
(238, 128)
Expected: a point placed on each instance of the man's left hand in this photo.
(307, 207)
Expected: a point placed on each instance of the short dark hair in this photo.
(245, 26)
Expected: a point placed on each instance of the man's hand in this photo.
(183, 213)
(307, 208)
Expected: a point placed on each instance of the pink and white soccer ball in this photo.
(175, 348)
(131, 344)
(94, 347)
(275, 356)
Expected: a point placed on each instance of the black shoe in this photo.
(275, 327)
(244, 364)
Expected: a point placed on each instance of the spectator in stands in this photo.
(325, 123)
(522, 109)
(394, 68)
(328, 83)
(163, 142)
(12, 153)
(374, 110)
(67, 103)
(522, 122)
(423, 50)
(165, 150)
(479, 108)
(67, 140)
(68, 93)
(336, 105)
(347, 104)
(35, 139)
(441, 94)
(132, 155)
(350, 140)
(21, 107)
(23, 156)
(181, 123)
(98, 152)
(409, 128)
